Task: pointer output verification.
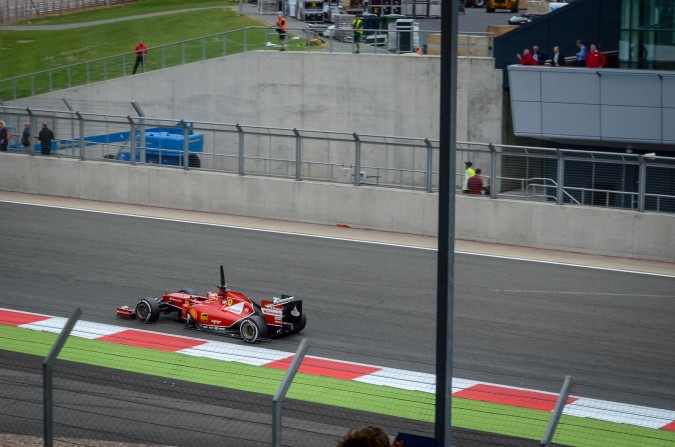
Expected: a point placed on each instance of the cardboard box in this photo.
(498, 30)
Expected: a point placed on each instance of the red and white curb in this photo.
(375, 375)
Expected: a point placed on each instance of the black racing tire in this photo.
(147, 310)
(479, 3)
(252, 329)
(188, 290)
(301, 326)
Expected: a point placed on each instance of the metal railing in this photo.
(308, 39)
(606, 179)
(12, 11)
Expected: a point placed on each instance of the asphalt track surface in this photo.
(517, 323)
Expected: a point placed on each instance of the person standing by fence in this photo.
(281, 29)
(25, 139)
(46, 136)
(357, 26)
(141, 51)
(4, 137)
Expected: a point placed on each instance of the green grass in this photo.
(487, 417)
(32, 51)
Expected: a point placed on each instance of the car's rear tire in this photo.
(147, 310)
(252, 329)
(301, 326)
(188, 290)
(479, 3)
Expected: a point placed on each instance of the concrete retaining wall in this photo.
(385, 94)
(570, 228)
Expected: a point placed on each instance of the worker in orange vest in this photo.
(281, 29)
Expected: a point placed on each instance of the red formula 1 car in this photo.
(225, 312)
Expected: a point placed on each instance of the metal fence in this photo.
(310, 39)
(113, 386)
(12, 11)
(564, 176)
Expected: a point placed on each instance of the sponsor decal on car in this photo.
(229, 301)
(204, 317)
(236, 309)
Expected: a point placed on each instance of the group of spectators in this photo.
(586, 57)
(45, 137)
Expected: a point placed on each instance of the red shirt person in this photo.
(475, 183)
(141, 50)
(594, 58)
(527, 58)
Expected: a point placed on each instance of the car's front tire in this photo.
(147, 310)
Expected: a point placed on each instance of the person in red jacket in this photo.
(594, 58)
(475, 183)
(141, 51)
(527, 58)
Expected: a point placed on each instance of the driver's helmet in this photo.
(212, 296)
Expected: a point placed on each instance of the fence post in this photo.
(283, 389)
(561, 177)
(357, 159)
(430, 163)
(494, 182)
(241, 149)
(186, 144)
(557, 412)
(80, 120)
(132, 140)
(298, 155)
(47, 389)
(141, 129)
(642, 183)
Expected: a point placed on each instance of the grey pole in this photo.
(446, 225)
(141, 130)
(283, 389)
(186, 145)
(557, 412)
(47, 389)
(298, 155)
(132, 140)
(241, 149)
(357, 159)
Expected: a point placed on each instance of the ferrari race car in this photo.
(226, 312)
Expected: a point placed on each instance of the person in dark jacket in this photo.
(558, 60)
(538, 55)
(4, 137)
(46, 136)
(25, 138)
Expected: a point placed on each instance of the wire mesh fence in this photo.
(126, 386)
(12, 11)
(120, 133)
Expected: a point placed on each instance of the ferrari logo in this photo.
(187, 303)
(204, 317)
(229, 301)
